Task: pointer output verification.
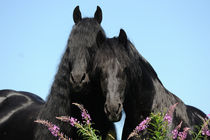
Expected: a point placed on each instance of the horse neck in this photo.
(162, 99)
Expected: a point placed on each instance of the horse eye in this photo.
(105, 92)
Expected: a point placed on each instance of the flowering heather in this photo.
(84, 128)
(55, 130)
(204, 130)
(168, 118)
(183, 135)
(85, 115)
(169, 114)
(143, 125)
(71, 120)
(176, 131)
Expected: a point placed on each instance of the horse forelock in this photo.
(84, 33)
(111, 53)
(82, 41)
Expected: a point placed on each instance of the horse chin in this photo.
(78, 88)
(115, 117)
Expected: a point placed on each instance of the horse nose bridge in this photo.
(76, 76)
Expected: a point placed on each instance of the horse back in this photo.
(18, 110)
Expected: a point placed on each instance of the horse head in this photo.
(81, 45)
(111, 62)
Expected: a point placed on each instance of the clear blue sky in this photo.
(174, 36)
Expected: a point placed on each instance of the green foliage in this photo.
(87, 132)
(158, 127)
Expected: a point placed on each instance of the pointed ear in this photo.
(100, 38)
(77, 15)
(98, 15)
(122, 37)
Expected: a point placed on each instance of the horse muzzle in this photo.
(113, 113)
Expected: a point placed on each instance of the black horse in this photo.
(72, 82)
(18, 110)
(128, 81)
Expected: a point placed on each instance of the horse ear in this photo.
(100, 38)
(77, 15)
(122, 37)
(98, 15)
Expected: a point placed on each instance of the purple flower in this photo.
(175, 131)
(71, 120)
(208, 132)
(85, 115)
(205, 130)
(183, 135)
(143, 125)
(169, 114)
(53, 128)
(167, 118)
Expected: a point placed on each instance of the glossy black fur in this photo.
(143, 93)
(18, 110)
(69, 86)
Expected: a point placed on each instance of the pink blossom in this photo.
(53, 128)
(143, 125)
(169, 114)
(175, 131)
(85, 115)
(71, 120)
(205, 130)
(167, 118)
(183, 135)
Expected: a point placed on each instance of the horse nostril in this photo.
(119, 108)
(72, 78)
(106, 109)
(83, 77)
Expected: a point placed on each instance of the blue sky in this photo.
(174, 36)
